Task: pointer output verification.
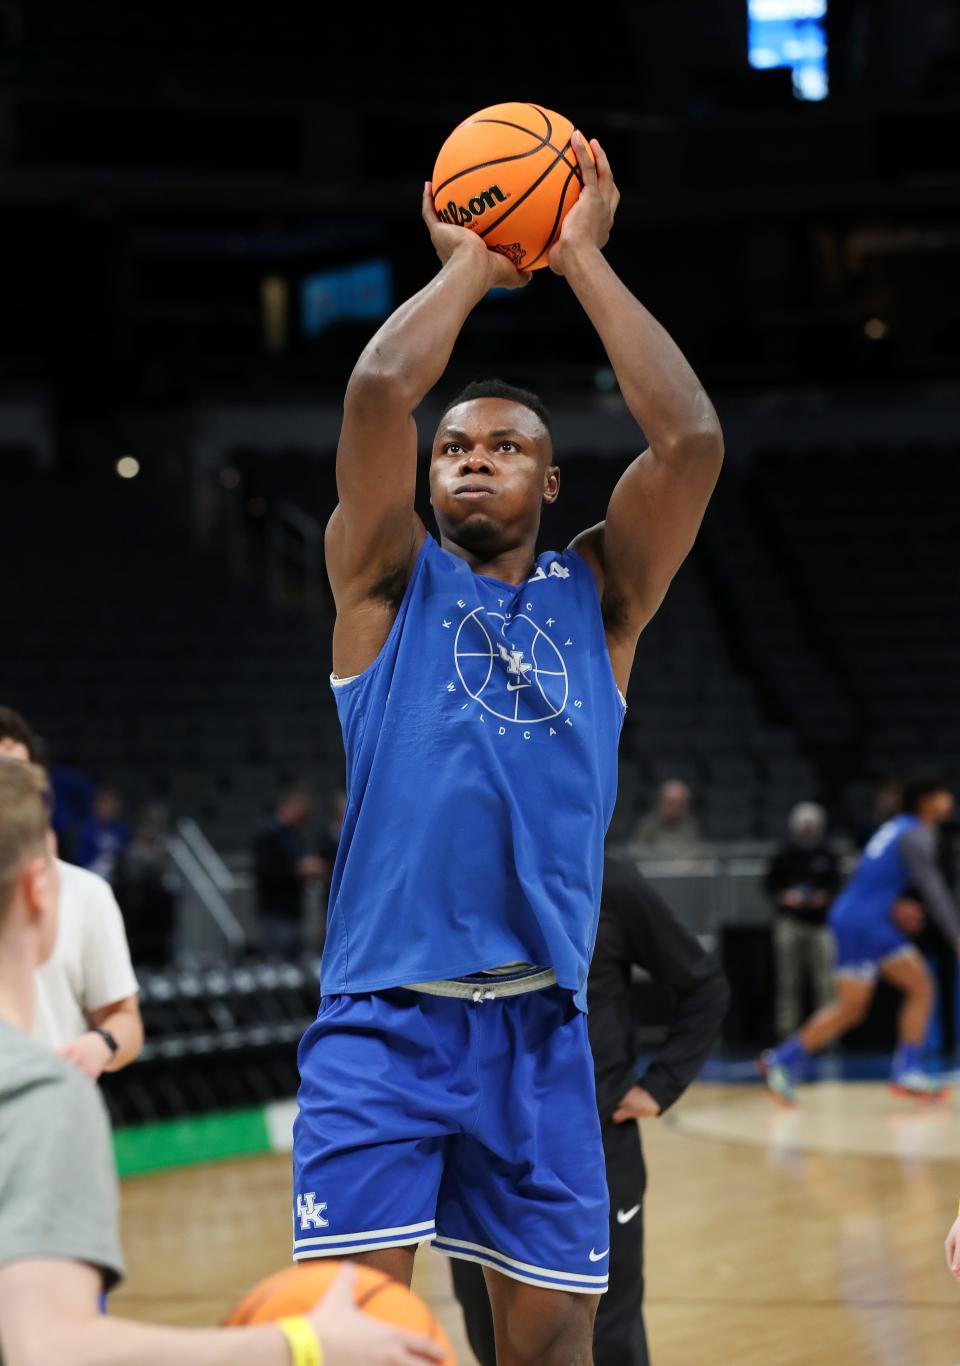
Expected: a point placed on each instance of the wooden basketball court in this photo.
(775, 1238)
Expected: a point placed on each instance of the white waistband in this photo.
(485, 991)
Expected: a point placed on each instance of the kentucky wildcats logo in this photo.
(511, 667)
(310, 1213)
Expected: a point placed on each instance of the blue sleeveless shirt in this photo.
(481, 748)
(880, 877)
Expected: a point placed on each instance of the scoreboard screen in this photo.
(791, 33)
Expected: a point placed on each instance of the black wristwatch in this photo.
(110, 1040)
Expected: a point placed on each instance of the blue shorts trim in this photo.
(522, 1271)
(337, 1243)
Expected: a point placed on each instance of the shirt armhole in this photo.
(596, 593)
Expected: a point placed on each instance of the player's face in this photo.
(490, 472)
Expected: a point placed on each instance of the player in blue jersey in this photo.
(447, 1084)
(870, 944)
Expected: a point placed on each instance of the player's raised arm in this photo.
(374, 533)
(657, 505)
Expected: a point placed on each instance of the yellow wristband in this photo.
(305, 1349)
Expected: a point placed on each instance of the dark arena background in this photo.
(205, 217)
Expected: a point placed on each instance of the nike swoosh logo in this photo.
(598, 1256)
(515, 687)
(625, 1218)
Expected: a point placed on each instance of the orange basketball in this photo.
(510, 174)
(298, 1288)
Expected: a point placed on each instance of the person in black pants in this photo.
(636, 927)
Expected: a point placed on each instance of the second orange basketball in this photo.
(509, 173)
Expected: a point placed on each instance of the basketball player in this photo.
(58, 1189)
(871, 945)
(87, 1005)
(446, 1084)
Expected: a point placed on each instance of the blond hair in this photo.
(24, 821)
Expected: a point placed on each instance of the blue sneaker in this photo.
(917, 1085)
(778, 1079)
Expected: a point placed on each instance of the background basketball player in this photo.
(870, 945)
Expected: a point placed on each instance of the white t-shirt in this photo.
(90, 965)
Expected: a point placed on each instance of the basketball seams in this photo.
(514, 156)
(544, 142)
(550, 238)
(384, 1284)
(497, 161)
(546, 118)
(390, 1284)
(526, 194)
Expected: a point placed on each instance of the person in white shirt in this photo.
(87, 995)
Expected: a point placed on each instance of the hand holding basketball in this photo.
(448, 238)
(350, 1336)
(589, 221)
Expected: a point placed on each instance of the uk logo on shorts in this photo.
(310, 1213)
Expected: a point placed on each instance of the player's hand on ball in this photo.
(448, 238)
(88, 1054)
(952, 1249)
(589, 222)
(636, 1104)
(351, 1338)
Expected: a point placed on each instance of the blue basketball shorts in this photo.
(863, 946)
(469, 1124)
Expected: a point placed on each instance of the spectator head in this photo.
(16, 737)
(107, 805)
(296, 806)
(929, 796)
(807, 823)
(673, 801)
(29, 877)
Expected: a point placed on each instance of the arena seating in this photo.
(864, 543)
(143, 663)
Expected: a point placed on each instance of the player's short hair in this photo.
(14, 727)
(24, 820)
(921, 785)
(499, 388)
